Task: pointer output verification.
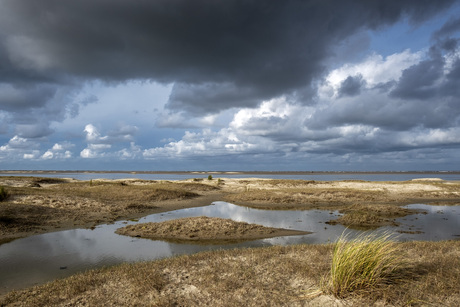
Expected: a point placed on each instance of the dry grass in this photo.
(204, 230)
(41, 204)
(249, 277)
(275, 276)
(365, 217)
(38, 205)
(435, 267)
(295, 197)
(363, 263)
(300, 194)
(123, 193)
(3, 193)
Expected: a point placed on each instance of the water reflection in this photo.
(434, 224)
(42, 258)
(305, 220)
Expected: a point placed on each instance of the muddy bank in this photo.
(204, 230)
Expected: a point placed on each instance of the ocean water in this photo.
(321, 176)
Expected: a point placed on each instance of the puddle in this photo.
(41, 258)
(434, 223)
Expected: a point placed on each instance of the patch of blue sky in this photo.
(407, 35)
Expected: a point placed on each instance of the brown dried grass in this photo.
(364, 217)
(63, 204)
(204, 230)
(300, 194)
(274, 276)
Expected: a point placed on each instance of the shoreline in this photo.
(6, 172)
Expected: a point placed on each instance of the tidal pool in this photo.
(433, 223)
(41, 258)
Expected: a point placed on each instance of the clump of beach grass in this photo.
(3, 194)
(363, 263)
(267, 276)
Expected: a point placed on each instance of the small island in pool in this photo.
(207, 230)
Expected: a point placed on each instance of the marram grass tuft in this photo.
(363, 263)
(3, 194)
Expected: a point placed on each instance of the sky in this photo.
(247, 85)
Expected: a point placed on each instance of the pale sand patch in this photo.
(248, 184)
(427, 179)
(204, 229)
(309, 194)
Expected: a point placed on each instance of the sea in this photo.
(317, 176)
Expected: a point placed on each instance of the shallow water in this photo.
(435, 223)
(41, 258)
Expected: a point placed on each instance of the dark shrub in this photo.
(3, 194)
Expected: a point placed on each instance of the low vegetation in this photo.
(398, 274)
(363, 263)
(204, 230)
(38, 205)
(365, 217)
(3, 193)
(302, 194)
(274, 276)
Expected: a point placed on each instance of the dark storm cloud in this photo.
(454, 75)
(420, 81)
(212, 97)
(34, 129)
(429, 79)
(18, 98)
(259, 48)
(351, 86)
(451, 86)
(449, 28)
(425, 96)
(375, 110)
(31, 108)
